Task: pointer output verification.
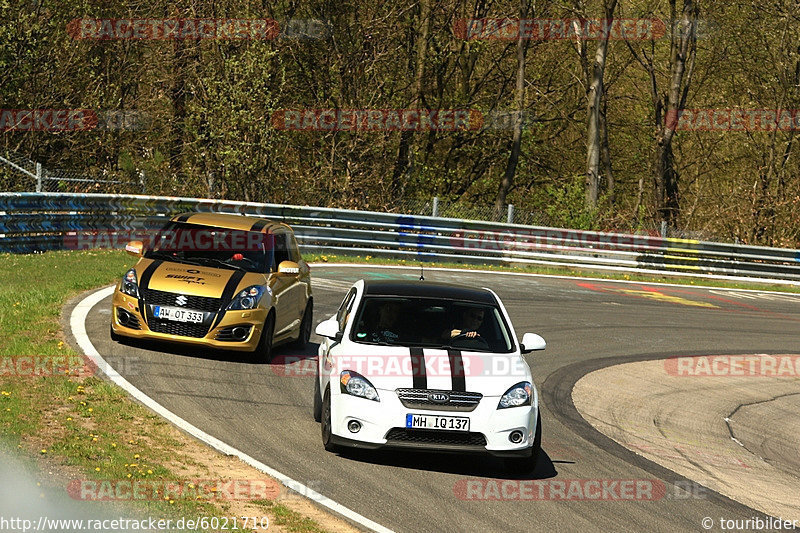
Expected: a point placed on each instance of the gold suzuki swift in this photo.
(217, 280)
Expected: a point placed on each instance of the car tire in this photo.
(114, 336)
(317, 409)
(524, 465)
(263, 352)
(327, 433)
(304, 335)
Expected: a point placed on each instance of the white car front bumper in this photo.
(488, 433)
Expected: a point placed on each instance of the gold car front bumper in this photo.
(125, 306)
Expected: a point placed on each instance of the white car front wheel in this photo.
(327, 432)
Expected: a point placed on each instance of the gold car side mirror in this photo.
(135, 248)
(289, 268)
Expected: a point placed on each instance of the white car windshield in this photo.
(426, 322)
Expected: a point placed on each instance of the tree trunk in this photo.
(404, 162)
(666, 184)
(610, 185)
(596, 136)
(178, 97)
(682, 55)
(516, 142)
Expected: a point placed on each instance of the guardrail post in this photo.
(38, 177)
(664, 229)
(142, 182)
(510, 216)
(435, 211)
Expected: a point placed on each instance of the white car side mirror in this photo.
(329, 328)
(532, 342)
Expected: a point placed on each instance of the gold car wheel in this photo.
(263, 352)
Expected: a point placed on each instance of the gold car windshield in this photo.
(194, 244)
(428, 322)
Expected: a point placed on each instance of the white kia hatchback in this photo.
(427, 366)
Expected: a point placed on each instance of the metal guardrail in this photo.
(31, 222)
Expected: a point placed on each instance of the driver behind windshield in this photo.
(387, 327)
(470, 321)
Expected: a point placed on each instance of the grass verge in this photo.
(80, 427)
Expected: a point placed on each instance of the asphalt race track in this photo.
(265, 410)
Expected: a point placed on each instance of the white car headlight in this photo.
(130, 284)
(516, 396)
(248, 298)
(355, 384)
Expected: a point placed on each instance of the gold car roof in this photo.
(231, 221)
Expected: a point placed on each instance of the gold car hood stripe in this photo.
(228, 293)
(190, 280)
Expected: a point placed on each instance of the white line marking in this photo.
(579, 278)
(77, 323)
(329, 284)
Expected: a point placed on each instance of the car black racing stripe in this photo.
(144, 283)
(418, 369)
(258, 226)
(227, 295)
(184, 218)
(457, 370)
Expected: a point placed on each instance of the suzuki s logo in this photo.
(439, 397)
(181, 300)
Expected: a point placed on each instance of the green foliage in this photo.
(566, 206)
(208, 106)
